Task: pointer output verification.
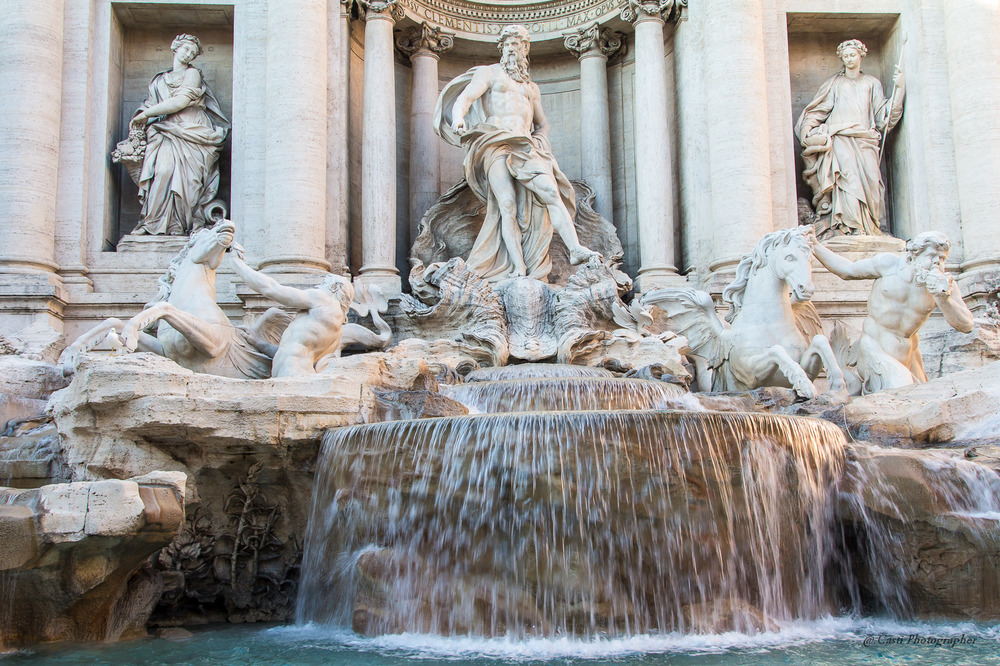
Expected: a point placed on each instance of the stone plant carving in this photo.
(190, 328)
(320, 330)
(242, 567)
(905, 292)
(770, 342)
(173, 145)
(842, 132)
(495, 114)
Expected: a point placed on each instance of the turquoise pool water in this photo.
(829, 641)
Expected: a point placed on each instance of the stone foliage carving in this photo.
(842, 132)
(770, 342)
(184, 322)
(424, 37)
(906, 291)
(364, 9)
(494, 113)
(172, 150)
(238, 564)
(668, 10)
(594, 39)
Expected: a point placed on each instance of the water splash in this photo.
(587, 524)
(535, 371)
(566, 394)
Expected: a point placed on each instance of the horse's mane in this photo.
(751, 263)
(166, 281)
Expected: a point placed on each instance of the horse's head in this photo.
(208, 245)
(787, 255)
(790, 260)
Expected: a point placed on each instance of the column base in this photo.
(386, 279)
(294, 264)
(658, 277)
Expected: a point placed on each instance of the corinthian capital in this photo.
(424, 38)
(367, 9)
(668, 10)
(594, 39)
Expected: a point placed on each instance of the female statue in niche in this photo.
(842, 132)
(176, 135)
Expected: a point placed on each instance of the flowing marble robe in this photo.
(842, 160)
(180, 170)
(526, 158)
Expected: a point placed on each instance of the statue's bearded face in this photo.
(515, 58)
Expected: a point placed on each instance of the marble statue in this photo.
(495, 113)
(179, 149)
(842, 132)
(771, 341)
(320, 329)
(905, 292)
(191, 328)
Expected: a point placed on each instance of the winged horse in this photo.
(770, 341)
(191, 328)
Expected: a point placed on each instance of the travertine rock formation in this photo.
(71, 554)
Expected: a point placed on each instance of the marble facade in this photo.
(684, 131)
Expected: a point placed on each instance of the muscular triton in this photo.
(906, 291)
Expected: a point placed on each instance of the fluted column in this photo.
(973, 55)
(593, 46)
(423, 44)
(378, 149)
(737, 126)
(295, 163)
(31, 48)
(654, 176)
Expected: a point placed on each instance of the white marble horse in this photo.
(191, 328)
(771, 341)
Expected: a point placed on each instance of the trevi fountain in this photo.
(500, 331)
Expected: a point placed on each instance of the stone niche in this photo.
(141, 34)
(812, 59)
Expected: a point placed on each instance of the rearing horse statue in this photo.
(191, 328)
(771, 341)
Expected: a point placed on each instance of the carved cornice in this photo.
(668, 10)
(594, 39)
(482, 21)
(424, 38)
(367, 9)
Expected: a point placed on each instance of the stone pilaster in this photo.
(593, 46)
(295, 164)
(378, 148)
(423, 44)
(973, 56)
(31, 49)
(736, 104)
(653, 149)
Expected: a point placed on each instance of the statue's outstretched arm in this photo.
(267, 286)
(477, 87)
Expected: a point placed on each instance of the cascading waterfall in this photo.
(578, 506)
(574, 394)
(590, 523)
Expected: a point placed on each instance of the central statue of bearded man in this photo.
(495, 113)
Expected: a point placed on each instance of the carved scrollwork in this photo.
(668, 10)
(593, 38)
(365, 9)
(424, 38)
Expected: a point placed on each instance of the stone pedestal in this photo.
(593, 46)
(423, 44)
(378, 150)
